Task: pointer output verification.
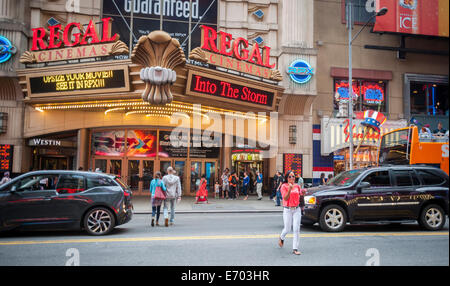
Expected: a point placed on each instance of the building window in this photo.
(292, 134)
(370, 94)
(429, 99)
(3, 122)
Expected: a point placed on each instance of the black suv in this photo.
(65, 199)
(390, 194)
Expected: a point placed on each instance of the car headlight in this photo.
(310, 200)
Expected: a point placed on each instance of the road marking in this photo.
(216, 237)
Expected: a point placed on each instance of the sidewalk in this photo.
(187, 205)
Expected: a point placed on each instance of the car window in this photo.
(36, 183)
(70, 184)
(429, 178)
(414, 177)
(378, 179)
(99, 181)
(403, 178)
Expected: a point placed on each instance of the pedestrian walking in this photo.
(279, 182)
(292, 212)
(217, 190)
(202, 193)
(245, 185)
(274, 187)
(330, 176)
(259, 184)
(323, 181)
(173, 186)
(5, 178)
(158, 192)
(300, 181)
(225, 184)
(233, 185)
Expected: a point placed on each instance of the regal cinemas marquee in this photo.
(117, 116)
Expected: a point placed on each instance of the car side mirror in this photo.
(13, 189)
(361, 186)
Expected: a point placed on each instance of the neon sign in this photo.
(373, 93)
(220, 49)
(202, 85)
(341, 89)
(230, 47)
(81, 38)
(300, 71)
(6, 157)
(6, 49)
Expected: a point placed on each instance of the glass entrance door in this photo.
(54, 163)
(179, 167)
(163, 165)
(109, 166)
(115, 167)
(133, 175)
(148, 169)
(210, 173)
(195, 176)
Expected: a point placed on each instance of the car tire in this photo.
(432, 217)
(99, 221)
(333, 218)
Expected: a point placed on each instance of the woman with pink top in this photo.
(292, 213)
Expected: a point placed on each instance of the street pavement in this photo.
(187, 205)
(221, 237)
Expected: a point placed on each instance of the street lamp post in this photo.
(382, 12)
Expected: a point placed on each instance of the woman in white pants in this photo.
(292, 212)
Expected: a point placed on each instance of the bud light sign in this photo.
(300, 71)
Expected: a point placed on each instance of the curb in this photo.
(215, 211)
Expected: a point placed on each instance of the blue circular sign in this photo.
(6, 49)
(300, 71)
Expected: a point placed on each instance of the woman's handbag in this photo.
(159, 193)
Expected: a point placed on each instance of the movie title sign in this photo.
(74, 41)
(83, 82)
(221, 49)
(211, 86)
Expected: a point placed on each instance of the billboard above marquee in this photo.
(417, 17)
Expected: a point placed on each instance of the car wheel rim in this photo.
(334, 218)
(99, 221)
(433, 217)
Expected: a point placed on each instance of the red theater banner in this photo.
(419, 17)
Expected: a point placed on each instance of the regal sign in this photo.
(220, 49)
(59, 44)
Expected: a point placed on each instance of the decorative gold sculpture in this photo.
(27, 57)
(159, 54)
(198, 54)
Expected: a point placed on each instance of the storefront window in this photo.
(370, 94)
(429, 99)
(141, 143)
(108, 143)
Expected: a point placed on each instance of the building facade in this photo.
(398, 74)
(83, 90)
